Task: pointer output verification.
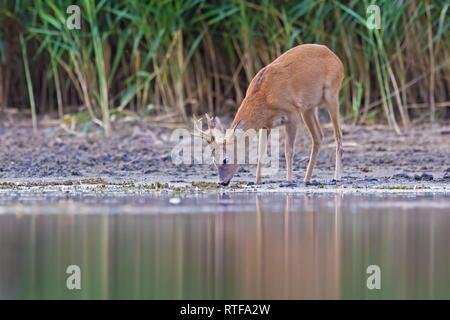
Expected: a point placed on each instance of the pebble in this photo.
(288, 184)
(313, 183)
(447, 175)
(423, 177)
(402, 176)
(174, 201)
(166, 157)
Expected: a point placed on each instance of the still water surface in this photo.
(229, 246)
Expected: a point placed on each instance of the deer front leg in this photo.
(290, 134)
(262, 144)
(312, 123)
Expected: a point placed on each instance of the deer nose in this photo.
(224, 183)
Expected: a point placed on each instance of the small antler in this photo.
(209, 121)
(206, 135)
(214, 123)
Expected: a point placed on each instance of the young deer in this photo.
(295, 84)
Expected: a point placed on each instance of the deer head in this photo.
(223, 147)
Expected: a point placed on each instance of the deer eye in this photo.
(224, 161)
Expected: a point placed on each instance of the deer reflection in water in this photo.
(233, 246)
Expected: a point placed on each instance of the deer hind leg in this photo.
(333, 110)
(290, 134)
(312, 123)
(262, 145)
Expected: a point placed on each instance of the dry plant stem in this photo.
(431, 61)
(29, 83)
(184, 58)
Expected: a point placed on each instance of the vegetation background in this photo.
(181, 57)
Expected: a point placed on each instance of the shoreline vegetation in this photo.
(177, 58)
(99, 187)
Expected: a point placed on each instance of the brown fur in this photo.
(291, 87)
(296, 81)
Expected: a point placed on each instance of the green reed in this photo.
(194, 56)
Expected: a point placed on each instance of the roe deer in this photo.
(295, 84)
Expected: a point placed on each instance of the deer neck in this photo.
(252, 115)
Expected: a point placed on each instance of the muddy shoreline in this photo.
(137, 157)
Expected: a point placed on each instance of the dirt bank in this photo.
(140, 153)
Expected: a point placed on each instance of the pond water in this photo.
(226, 246)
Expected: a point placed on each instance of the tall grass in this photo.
(192, 56)
(29, 83)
